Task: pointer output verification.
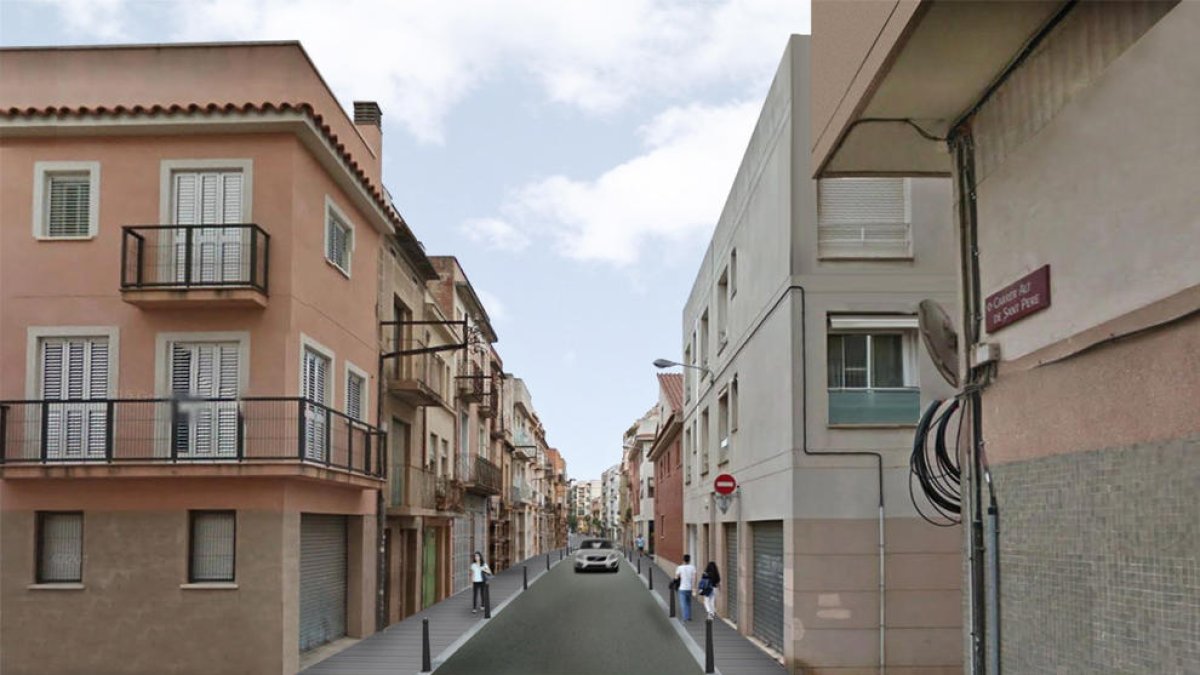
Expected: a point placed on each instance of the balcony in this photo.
(448, 494)
(485, 478)
(170, 266)
(487, 403)
(880, 407)
(472, 383)
(153, 437)
(413, 488)
(417, 380)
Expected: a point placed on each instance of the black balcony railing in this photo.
(195, 256)
(181, 431)
(413, 487)
(488, 475)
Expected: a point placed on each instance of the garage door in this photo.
(322, 579)
(461, 540)
(729, 580)
(768, 583)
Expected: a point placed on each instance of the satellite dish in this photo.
(941, 341)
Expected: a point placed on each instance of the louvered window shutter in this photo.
(69, 212)
(354, 396)
(863, 215)
(74, 372)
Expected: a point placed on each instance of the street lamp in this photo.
(667, 363)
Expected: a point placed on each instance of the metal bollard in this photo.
(524, 577)
(426, 661)
(560, 555)
(710, 662)
(487, 601)
(650, 576)
(673, 594)
(639, 565)
(547, 562)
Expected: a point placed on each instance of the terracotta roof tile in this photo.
(672, 386)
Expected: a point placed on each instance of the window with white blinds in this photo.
(213, 546)
(200, 372)
(355, 389)
(74, 374)
(69, 205)
(216, 253)
(863, 218)
(315, 388)
(339, 240)
(59, 548)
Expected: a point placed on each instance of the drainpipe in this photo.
(381, 563)
(878, 457)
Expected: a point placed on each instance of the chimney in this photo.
(368, 119)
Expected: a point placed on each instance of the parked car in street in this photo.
(597, 554)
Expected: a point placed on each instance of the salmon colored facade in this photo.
(266, 319)
(667, 456)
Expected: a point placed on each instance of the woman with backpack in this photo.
(710, 581)
(480, 573)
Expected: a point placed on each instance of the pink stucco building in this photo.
(189, 257)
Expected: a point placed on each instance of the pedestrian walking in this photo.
(480, 573)
(640, 543)
(685, 575)
(710, 581)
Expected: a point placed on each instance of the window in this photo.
(864, 218)
(650, 487)
(872, 371)
(59, 547)
(66, 200)
(723, 425)
(723, 310)
(733, 405)
(213, 537)
(356, 392)
(704, 442)
(687, 374)
(339, 238)
(431, 457)
(199, 372)
(732, 273)
(74, 383)
(688, 450)
(704, 339)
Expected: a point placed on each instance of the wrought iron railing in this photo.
(195, 256)
(182, 431)
(413, 486)
(448, 494)
(488, 475)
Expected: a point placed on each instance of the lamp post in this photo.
(667, 363)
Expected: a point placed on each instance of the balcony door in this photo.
(74, 384)
(202, 371)
(214, 254)
(316, 390)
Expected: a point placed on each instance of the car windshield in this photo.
(595, 543)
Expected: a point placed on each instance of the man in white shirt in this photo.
(685, 574)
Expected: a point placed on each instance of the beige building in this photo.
(805, 382)
(1069, 131)
(190, 249)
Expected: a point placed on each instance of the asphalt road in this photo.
(584, 624)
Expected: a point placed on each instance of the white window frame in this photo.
(333, 210)
(909, 354)
(166, 182)
(33, 353)
(353, 370)
(42, 173)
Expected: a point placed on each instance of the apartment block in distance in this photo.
(1069, 129)
(807, 383)
(191, 241)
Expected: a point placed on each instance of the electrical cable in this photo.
(934, 469)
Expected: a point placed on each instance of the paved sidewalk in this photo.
(734, 653)
(396, 650)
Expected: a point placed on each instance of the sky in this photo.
(573, 154)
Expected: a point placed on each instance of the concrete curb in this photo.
(696, 650)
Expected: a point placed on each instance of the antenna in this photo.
(940, 338)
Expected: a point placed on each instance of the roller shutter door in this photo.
(729, 580)
(322, 579)
(461, 559)
(768, 583)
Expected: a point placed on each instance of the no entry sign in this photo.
(725, 484)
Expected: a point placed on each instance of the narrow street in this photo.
(577, 623)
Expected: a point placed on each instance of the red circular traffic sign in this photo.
(725, 484)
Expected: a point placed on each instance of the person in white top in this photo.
(479, 576)
(685, 576)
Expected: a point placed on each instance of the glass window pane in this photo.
(212, 546)
(887, 369)
(61, 548)
(855, 361)
(835, 362)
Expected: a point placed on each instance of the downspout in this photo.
(381, 563)
(849, 453)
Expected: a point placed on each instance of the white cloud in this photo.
(420, 58)
(496, 309)
(495, 233)
(673, 191)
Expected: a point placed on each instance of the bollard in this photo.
(674, 594)
(426, 662)
(547, 562)
(639, 565)
(487, 601)
(709, 660)
(560, 555)
(524, 577)
(650, 575)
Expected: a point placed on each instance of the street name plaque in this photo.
(1025, 296)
